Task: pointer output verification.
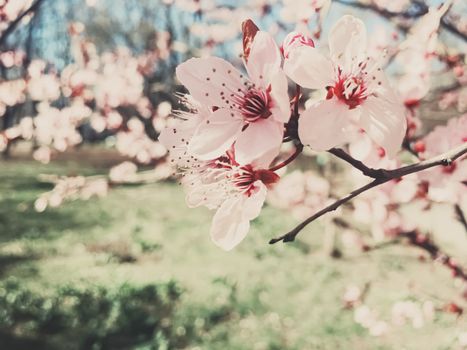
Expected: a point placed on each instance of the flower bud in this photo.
(294, 40)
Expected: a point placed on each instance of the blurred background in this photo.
(98, 249)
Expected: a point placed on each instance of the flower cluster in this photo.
(236, 122)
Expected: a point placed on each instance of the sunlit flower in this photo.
(236, 191)
(248, 111)
(358, 93)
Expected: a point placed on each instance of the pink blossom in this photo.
(423, 35)
(295, 11)
(369, 319)
(43, 154)
(135, 143)
(358, 93)
(294, 40)
(236, 191)
(9, 10)
(12, 92)
(248, 111)
(409, 311)
(58, 128)
(301, 193)
(377, 209)
(71, 188)
(352, 295)
(123, 172)
(42, 86)
(446, 183)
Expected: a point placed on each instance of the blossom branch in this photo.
(370, 172)
(385, 176)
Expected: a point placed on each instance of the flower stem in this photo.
(298, 150)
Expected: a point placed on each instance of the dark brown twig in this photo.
(419, 9)
(12, 26)
(370, 172)
(461, 216)
(445, 159)
(424, 242)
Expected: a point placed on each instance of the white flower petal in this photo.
(215, 135)
(279, 94)
(384, 121)
(263, 137)
(325, 125)
(264, 60)
(207, 78)
(348, 42)
(307, 67)
(231, 223)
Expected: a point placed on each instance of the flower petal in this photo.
(174, 138)
(207, 78)
(307, 67)
(384, 121)
(215, 136)
(261, 138)
(279, 94)
(231, 222)
(264, 60)
(199, 194)
(325, 125)
(348, 41)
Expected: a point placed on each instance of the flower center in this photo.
(246, 177)
(350, 90)
(256, 105)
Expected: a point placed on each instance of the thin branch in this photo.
(386, 176)
(370, 172)
(12, 26)
(406, 145)
(425, 243)
(453, 29)
(419, 10)
(298, 94)
(383, 12)
(298, 150)
(461, 216)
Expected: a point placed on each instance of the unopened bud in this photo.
(293, 41)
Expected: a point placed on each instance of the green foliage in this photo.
(96, 317)
(93, 275)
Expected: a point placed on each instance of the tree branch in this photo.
(12, 26)
(416, 11)
(461, 216)
(425, 243)
(385, 176)
(370, 172)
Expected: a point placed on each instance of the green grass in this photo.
(255, 297)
